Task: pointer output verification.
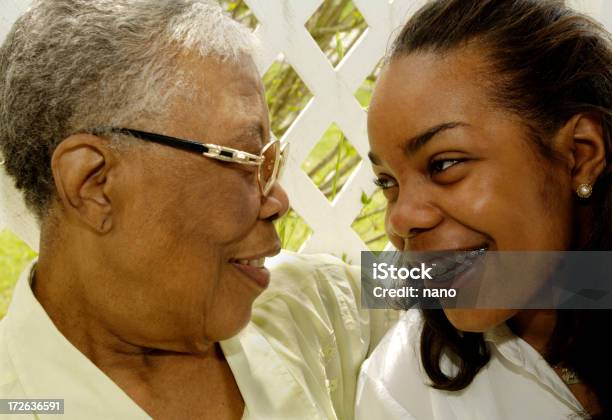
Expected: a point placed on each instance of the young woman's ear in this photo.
(582, 143)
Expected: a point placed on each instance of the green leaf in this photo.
(337, 168)
(339, 47)
(365, 200)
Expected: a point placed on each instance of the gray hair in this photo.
(69, 66)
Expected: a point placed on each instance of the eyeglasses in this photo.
(270, 161)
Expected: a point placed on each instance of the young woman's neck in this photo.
(535, 327)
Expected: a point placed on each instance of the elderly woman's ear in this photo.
(81, 166)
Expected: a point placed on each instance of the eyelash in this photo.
(433, 165)
(383, 183)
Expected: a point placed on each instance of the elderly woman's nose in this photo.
(412, 214)
(275, 204)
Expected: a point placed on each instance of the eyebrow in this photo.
(416, 143)
(250, 132)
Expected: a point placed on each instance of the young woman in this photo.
(490, 129)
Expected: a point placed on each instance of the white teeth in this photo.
(253, 263)
(257, 263)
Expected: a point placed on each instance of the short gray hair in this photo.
(68, 66)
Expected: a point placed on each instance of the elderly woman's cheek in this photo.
(242, 207)
(227, 207)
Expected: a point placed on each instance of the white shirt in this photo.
(517, 383)
(298, 358)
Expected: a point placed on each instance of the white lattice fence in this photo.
(282, 31)
(333, 102)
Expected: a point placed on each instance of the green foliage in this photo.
(240, 12)
(370, 223)
(335, 27)
(331, 162)
(14, 256)
(365, 199)
(292, 230)
(286, 96)
(364, 93)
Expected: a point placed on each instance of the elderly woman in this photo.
(493, 133)
(138, 133)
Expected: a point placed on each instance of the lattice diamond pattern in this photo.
(334, 101)
(331, 162)
(283, 85)
(340, 37)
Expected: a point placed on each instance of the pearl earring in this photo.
(584, 190)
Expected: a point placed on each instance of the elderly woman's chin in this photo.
(228, 323)
(193, 323)
(198, 339)
(228, 320)
(478, 320)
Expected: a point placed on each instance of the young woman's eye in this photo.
(384, 183)
(442, 165)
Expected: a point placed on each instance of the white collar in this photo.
(49, 366)
(269, 388)
(518, 352)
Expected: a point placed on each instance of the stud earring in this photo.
(584, 190)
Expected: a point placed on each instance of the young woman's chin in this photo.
(478, 320)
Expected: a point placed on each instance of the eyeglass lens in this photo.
(269, 168)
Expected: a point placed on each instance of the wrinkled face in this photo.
(458, 172)
(189, 231)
